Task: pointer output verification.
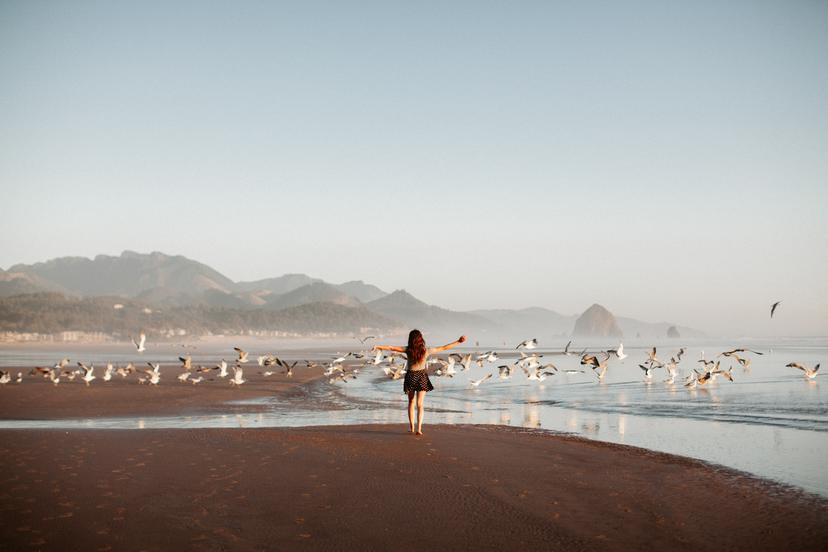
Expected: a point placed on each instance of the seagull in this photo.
(729, 353)
(489, 356)
(340, 359)
(573, 371)
(183, 376)
(194, 381)
(40, 370)
(466, 362)
(538, 374)
(288, 367)
(108, 372)
(619, 352)
(364, 339)
(222, 368)
(87, 372)
(528, 344)
(566, 349)
(142, 339)
(745, 362)
(476, 383)
(671, 371)
(154, 374)
(653, 358)
(808, 372)
(728, 374)
(242, 355)
(773, 308)
(186, 362)
(125, 371)
(54, 376)
(648, 372)
(5, 377)
(377, 360)
(591, 360)
(680, 354)
(601, 369)
(505, 371)
(448, 367)
(237, 376)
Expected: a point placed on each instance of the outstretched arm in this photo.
(388, 348)
(448, 346)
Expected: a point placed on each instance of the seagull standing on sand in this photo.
(809, 373)
(5, 377)
(182, 377)
(108, 372)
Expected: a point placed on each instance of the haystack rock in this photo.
(673, 333)
(596, 321)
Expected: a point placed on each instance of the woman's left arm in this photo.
(448, 346)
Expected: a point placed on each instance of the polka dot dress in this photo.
(417, 380)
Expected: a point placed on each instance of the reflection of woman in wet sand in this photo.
(416, 383)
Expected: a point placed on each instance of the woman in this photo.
(416, 383)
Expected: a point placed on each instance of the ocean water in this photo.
(770, 421)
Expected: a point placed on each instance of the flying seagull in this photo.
(773, 307)
(237, 376)
(476, 383)
(140, 343)
(808, 372)
(528, 344)
(242, 355)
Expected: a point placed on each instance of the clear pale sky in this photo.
(668, 160)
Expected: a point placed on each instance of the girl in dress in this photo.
(416, 383)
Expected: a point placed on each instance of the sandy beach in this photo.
(39, 399)
(358, 487)
(376, 487)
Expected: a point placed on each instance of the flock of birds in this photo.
(341, 368)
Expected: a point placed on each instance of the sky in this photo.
(668, 160)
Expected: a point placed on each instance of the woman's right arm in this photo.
(388, 348)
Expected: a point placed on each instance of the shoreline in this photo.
(491, 487)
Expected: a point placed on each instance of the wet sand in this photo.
(377, 487)
(37, 398)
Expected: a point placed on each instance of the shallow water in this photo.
(770, 422)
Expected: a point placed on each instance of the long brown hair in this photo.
(416, 350)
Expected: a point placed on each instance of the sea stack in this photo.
(673, 333)
(596, 321)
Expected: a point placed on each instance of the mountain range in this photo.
(183, 287)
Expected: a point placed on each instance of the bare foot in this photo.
(419, 432)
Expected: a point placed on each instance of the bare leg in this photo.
(420, 412)
(411, 395)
